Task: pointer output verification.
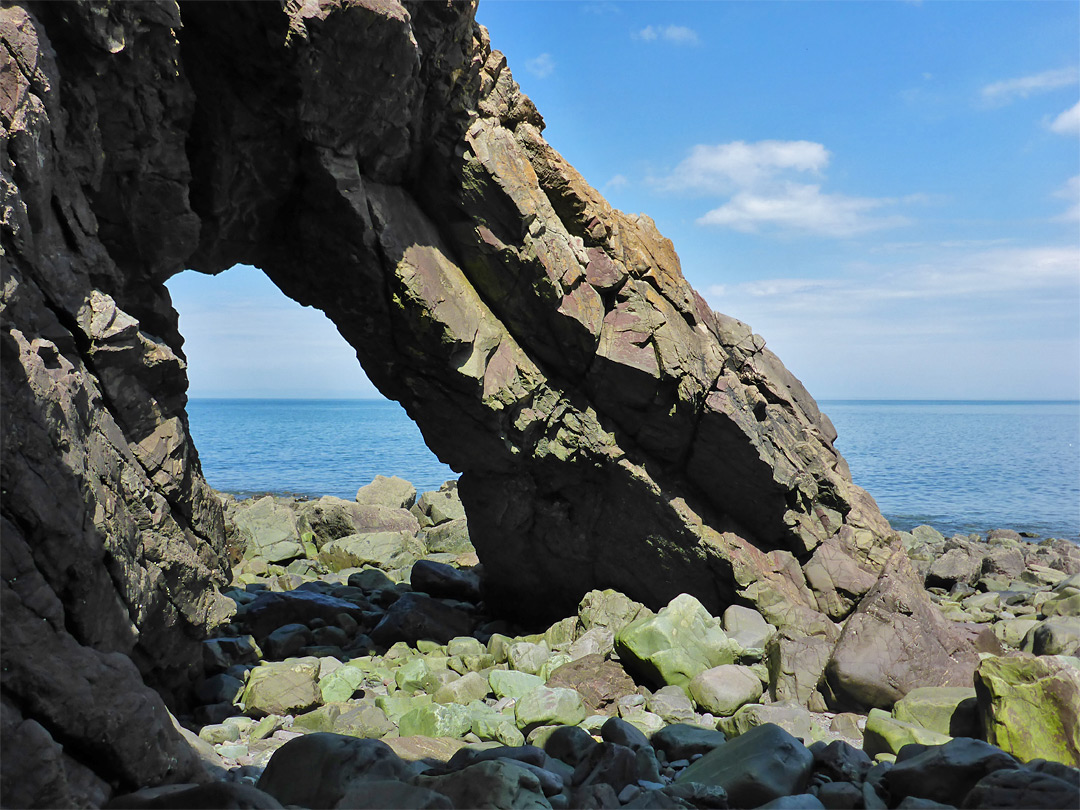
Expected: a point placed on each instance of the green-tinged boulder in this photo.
(1030, 705)
(561, 634)
(796, 720)
(885, 734)
(464, 646)
(416, 675)
(554, 661)
(341, 684)
(436, 720)
(1013, 632)
(512, 684)
(524, 656)
(392, 492)
(385, 550)
(396, 705)
(950, 710)
(286, 687)
(268, 530)
(1066, 604)
(609, 609)
(643, 720)
(495, 726)
(464, 690)
(549, 707)
(675, 645)
(357, 719)
(1058, 635)
(758, 767)
(723, 689)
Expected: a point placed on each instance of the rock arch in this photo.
(377, 161)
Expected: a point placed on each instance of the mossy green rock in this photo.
(464, 690)
(465, 645)
(492, 725)
(341, 684)
(416, 675)
(549, 707)
(397, 705)
(288, 687)
(436, 720)
(675, 645)
(950, 710)
(886, 735)
(1030, 705)
(509, 683)
(359, 719)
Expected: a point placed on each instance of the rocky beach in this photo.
(363, 669)
(654, 582)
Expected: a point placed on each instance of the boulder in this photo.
(763, 764)
(547, 706)
(609, 609)
(569, 744)
(392, 492)
(317, 770)
(444, 581)
(380, 794)
(746, 627)
(836, 578)
(946, 773)
(596, 641)
(289, 687)
(885, 734)
(675, 645)
(436, 720)
(1023, 787)
(268, 530)
(329, 518)
(723, 689)
(1030, 706)
(671, 704)
(223, 795)
(356, 719)
(682, 741)
(1058, 635)
(451, 537)
(601, 683)
(796, 665)
(390, 551)
(950, 710)
(895, 641)
(607, 763)
(796, 720)
(273, 609)
(415, 616)
(442, 505)
(492, 784)
(513, 684)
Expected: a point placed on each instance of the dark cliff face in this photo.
(378, 161)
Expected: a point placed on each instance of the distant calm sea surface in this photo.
(959, 466)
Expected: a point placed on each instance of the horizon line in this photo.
(381, 398)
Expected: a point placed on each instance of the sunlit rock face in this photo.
(378, 161)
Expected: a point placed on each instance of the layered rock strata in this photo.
(377, 161)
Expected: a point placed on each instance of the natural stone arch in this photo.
(611, 430)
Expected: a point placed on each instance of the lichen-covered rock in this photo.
(885, 734)
(289, 687)
(1031, 706)
(950, 710)
(676, 644)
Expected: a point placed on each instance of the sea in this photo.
(962, 467)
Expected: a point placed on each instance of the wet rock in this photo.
(414, 617)
(946, 773)
(607, 763)
(841, 762)
(569, 744)
(763, 764)
(317, 770)
(287, 641)
(273, 609)
(681, 741)
(445, 581)
(1023, 787)
(494, 783)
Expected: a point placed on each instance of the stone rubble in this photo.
(303, 707)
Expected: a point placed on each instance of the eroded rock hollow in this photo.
(377, 161)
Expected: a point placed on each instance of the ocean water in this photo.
(966, 467)
(959, 466)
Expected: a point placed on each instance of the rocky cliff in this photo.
(377, 161)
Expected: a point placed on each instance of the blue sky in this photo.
(888, 192)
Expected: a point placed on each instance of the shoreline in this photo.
(377, 645)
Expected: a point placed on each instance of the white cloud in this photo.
(542, 66)
(1009, 90)
(1068, 123)
(618, 181)
(1070, 192)
(717, 169)
(759, 179)
(675, 34)
(799, 207)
